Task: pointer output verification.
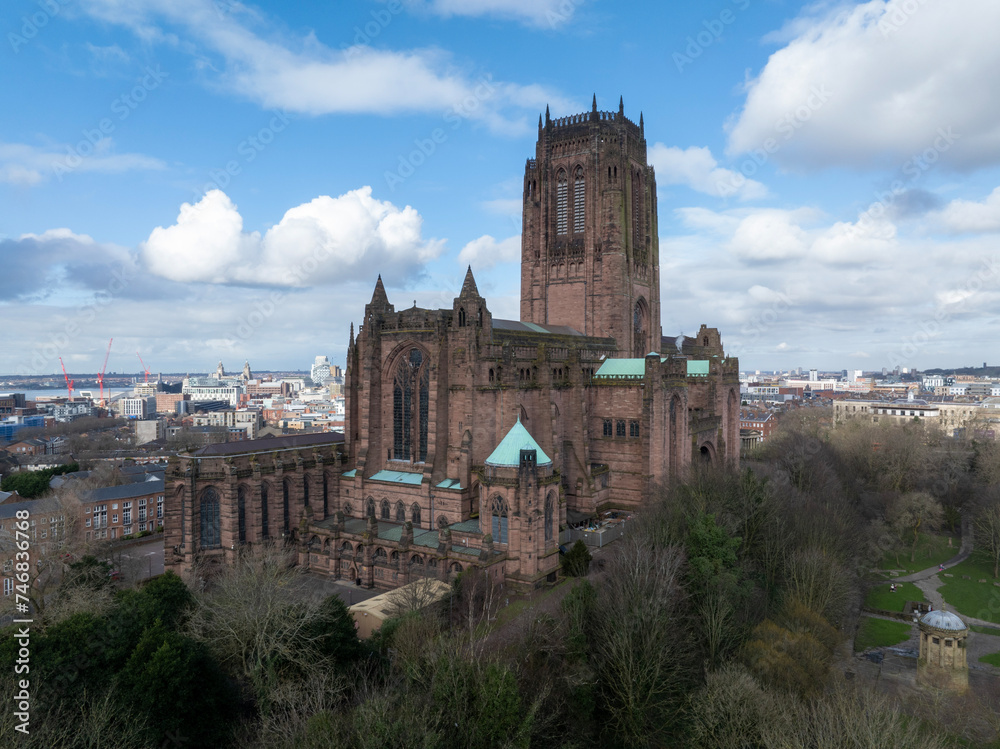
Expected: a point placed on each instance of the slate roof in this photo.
(287, 442)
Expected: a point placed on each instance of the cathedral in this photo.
(472, 440)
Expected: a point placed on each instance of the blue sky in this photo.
(207, 179)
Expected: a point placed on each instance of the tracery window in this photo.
(500, 514)
(549, 513)
(620, 428)
(639, 317)
(400, 513)
(211, 536)
(410, 401)
(264, 529)
(415, 515)
(370, 508)
(385, 509)
(579, 202)
(241, 509)
(284, 506)
(561, 187)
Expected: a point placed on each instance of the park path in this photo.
(963, 553)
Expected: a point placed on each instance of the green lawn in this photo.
(877, 633)
(932, 550)
(880, 597)
(985, 630)
(971, 597)
(993, 659)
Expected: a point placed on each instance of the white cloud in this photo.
(533, 12)
(771, 234)
(875, 84)
(696, 168)
(305, 76)
(969, 216)
(26, 166)
(324, 241)
(485, 252)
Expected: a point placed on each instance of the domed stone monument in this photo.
(943, 662)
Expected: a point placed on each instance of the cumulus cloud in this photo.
(878, 84)
(325, 240)
(969, 216)
(36, 266)
(486, 251)
(532, 12)
(26, 165)
(696, 168)
(303, 75)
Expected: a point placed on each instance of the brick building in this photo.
(470, 439)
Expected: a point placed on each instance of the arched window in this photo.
(620, 428)
(370, 508)
(492, 374)
(549, 513)
(305, 491)
(640, 316)
(579, 201)
(500, 514)
(241, 510)
(400, 513)
(384, 509)
(410, 401)
(561, 187)
(264, 526)
(380, 557)
(346, 547)
(211, 537)
(285, 488)
(415, 515)
(461, 317)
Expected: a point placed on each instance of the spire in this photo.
(548, 118)
(593, 107)
(379, 297)
(621, 105)
(352, 336)
(642, 128)
(539, 122)
(469, 286)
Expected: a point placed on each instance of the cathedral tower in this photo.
(589, 246)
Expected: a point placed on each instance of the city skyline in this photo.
(196, 179)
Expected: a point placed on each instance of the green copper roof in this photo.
(398, 477)
(453, 484)
(622, 369)
(508, 452)
(697, 368)
(350, 474)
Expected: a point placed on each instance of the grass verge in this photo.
(879, 633)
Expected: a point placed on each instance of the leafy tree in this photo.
(172, 680)
(576, 561)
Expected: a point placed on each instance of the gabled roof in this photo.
(508, 453)
(398, 477)
(626, 369)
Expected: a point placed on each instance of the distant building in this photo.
(138, 408)
(320, 371)
(116, 511)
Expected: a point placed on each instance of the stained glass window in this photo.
(210, 532)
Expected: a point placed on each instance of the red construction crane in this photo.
(144, 367)
(100, 375)
(69, 382)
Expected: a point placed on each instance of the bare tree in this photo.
(987, 529)
(911, 512)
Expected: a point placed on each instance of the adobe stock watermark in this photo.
(94, 139)
(562, 13)
(786, 126)
(900, 15)
(248, 149)
(265, 307)
(381, 18)
(933, 327)
(31, 25)
(427, 147)
(709, 35)
(914, 168)
(44, 354)
(761, 323)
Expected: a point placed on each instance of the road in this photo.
(140, 561)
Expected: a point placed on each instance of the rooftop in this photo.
(508, 452)
(267, 444)
(943, 620)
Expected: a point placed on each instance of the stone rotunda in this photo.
(943, 662)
